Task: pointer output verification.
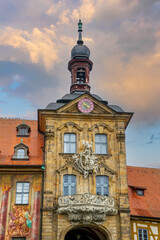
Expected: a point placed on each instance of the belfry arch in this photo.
(87, 232)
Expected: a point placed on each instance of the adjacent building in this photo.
(21, 159)
(144, 196)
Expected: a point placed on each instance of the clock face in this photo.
(85, 105)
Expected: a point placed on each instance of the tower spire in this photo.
(80, 65)
(80, 41)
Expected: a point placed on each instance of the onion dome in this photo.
(80, 50)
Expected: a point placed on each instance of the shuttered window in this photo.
(69, 143)
(101, 144)
(102, 185)
(142, 234)
(69, 185)
(22, 193)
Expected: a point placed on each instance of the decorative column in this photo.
(6, 185)
(36, 211)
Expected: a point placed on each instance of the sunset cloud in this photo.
(134, 85)
(123, 38)
(38, 44)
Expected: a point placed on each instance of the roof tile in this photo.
(9, 139)
(149, 204)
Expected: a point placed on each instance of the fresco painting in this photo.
(4, 206)
(20, 222)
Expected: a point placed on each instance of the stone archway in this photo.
(86, 233)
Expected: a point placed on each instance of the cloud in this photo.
(87, 10)
(54, 8)
(136, 38)
(134, 85)
(64, 17)
(38, 44)
(111, 12)
(123, 38)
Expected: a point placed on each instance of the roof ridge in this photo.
(7, 118)
(149, 168)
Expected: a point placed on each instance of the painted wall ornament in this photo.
(86, 162)
(20, 222)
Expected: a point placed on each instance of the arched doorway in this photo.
(86, 233)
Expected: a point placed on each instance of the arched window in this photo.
(81, 75)
(69, 184)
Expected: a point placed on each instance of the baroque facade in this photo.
(64, 176)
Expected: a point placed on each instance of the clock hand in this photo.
(85, 105)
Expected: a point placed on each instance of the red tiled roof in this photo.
(149, 204)
(9, 139)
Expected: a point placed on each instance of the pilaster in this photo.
(49, 183)
(124, 210)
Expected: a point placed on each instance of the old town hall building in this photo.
(64, 177)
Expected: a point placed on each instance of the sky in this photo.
(36, 38)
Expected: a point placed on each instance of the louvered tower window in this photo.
(81, 75)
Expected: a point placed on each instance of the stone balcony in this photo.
(86, 207)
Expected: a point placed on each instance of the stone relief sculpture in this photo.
(86, 207)
(86, 162)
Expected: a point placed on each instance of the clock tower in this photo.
(85, 194)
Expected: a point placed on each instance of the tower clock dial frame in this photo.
(85, 105)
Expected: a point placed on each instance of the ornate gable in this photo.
(99, 107)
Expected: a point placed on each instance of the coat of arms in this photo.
(86, 162)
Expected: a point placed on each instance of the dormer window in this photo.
(81, 75)
(23, 130)
(20, 152)
(139, 190)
